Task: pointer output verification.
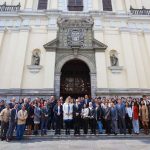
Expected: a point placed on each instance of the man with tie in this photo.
(77, 117)
(58, 114)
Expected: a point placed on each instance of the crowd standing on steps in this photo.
(107, 115)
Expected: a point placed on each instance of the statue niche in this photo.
(35, 58)
(113, 58)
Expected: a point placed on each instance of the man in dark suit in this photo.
(99, 117)
(58, 114)
(12, 123)
(121, 116)
(114, 118)
(77, 117)
(92, 118)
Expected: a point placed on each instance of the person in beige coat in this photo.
(5, 114)
(22, 116)
(144, 117)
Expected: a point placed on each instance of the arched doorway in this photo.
(75, 79)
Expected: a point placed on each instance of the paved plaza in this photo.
(78, 144)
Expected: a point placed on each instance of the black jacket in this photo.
(13, 117)
(99, 114)
(55, 110)
(76, 110)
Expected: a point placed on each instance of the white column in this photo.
(7, 64)
(101, 69)
(2, 32)
(95, 5)
(119, 5)
(49, 67)
(128, 4)
(89, 5)
(132, 79)
(19, 59)
(29, 4)
(49, 4)
(139, 4)
(133, 3)
(147, 46)
(142, 76)
(22, 3)
(147, 41)
(145, 56)
(53, 4)
(101, 5)
(62, 5)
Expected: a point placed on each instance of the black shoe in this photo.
(3, 138)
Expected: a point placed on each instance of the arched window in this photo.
(75, 5)
(107, 5)
(42, 4)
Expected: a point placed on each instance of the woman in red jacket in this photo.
(135, 121)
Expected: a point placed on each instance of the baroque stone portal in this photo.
(75, 41)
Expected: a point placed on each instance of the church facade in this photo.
(74, 47)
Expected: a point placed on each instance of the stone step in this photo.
(51, 135)
(88, 137)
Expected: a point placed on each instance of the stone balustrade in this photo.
(9, 8)
(142, 11)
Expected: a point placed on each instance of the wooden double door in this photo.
(75, 79)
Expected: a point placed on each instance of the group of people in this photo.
(106, 115)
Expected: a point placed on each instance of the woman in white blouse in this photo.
(128, 118)
(68, 114)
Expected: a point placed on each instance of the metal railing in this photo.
(142, 11)
(9, 8)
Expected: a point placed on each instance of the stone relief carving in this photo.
(75, 37)
(75, 32)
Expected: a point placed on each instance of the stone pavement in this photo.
(78, 144)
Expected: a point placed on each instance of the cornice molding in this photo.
(48, 13)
